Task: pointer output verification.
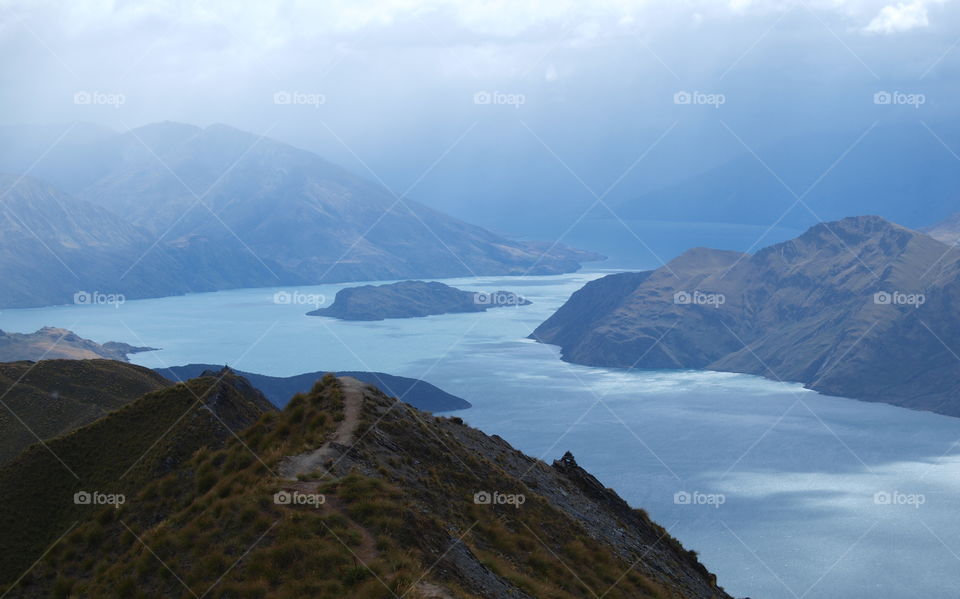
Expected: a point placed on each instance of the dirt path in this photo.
(308, 462)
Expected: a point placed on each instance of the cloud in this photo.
(899, 18)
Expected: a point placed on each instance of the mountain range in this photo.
(204, 488)
(170, 208)
(859, 308)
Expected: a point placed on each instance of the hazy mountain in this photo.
(54, 397)
(297, 216)
(343, 494)
(412, 299)
(420, 394)
(947, 230)
(57, 249)
(898, 169)
(859, 308)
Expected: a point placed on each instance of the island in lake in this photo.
(412, 299)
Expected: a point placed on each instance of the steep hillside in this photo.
(347, 493)
(418, 393)
(860, 308)
(121, 453)
(53, 397)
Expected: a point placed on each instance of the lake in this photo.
(784, 493)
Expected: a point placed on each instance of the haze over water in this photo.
(792, 494)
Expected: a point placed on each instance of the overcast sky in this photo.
(486, 107)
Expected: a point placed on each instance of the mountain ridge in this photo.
(403, 504)
(855, 308)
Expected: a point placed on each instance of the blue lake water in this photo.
(792, 494)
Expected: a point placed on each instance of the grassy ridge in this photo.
(54, 397)
(398, 519)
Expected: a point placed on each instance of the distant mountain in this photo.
(412, 299)
(898, 169)
(947, 230)
(53, 397)
(51, 343)
(859, 308)
(345, 493)
(57, 249)
(224, 208)
(420, 394)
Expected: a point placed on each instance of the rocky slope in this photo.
(346, 493)
(53, 397)
(859, 308)
(412, 299)
(418, 393)
(51, 343)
